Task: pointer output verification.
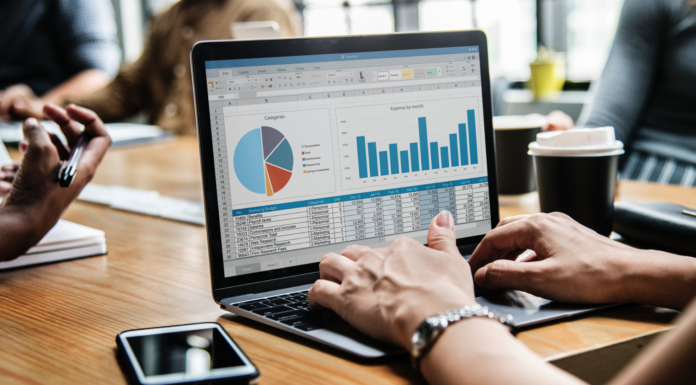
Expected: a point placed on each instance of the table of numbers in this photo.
(317, 222)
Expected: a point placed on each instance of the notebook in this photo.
(66, 240)
(122, 134)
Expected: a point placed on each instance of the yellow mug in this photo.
(547, 78)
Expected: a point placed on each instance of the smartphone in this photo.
(201, 353)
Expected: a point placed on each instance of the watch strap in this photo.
(432, 327)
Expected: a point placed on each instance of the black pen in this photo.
(68, 169)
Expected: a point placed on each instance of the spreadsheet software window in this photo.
(315, 153)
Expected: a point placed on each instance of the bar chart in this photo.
(462, 146)
(417, 140)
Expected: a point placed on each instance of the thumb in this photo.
(506, 274)
(35, 136)
(441, 234)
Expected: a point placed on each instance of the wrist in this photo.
(429, 331)
(18, 232)
(412, 313)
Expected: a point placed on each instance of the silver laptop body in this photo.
(309, 145)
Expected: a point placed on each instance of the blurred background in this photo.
(580, 30)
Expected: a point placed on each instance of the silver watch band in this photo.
(432, 327)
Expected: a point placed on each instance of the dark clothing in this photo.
(43, 43)
(648, 88)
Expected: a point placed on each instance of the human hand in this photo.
(557, 121)
(19, 102)
(7, 175)
(35, 193)
(386, 293)
(569, 263)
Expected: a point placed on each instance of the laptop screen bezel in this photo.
(224, 287)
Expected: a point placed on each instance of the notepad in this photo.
(66, 240)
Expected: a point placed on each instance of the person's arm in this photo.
(19, 101)
(669, 360)
(36, 201)
(387, 292)
(572, 263)
(628, 76)
(84, 31)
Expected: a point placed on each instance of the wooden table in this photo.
(58, 322)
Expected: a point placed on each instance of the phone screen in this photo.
(191, 353)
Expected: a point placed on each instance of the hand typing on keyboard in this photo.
(387, 292)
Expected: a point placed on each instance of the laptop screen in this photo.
(315, 153)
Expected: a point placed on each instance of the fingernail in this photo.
(445, 220)
(31, 122)
(19, 103)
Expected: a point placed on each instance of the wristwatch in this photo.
(429, 330)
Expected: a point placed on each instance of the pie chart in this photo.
(263, 161)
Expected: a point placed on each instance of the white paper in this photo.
(4, 156)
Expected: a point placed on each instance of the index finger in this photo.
(99, 142)
(325, 294)
(518, 235)
(69, 127)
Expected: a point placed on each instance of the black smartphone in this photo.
(201, 353)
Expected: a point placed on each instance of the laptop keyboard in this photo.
(293, 309)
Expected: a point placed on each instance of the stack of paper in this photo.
(66, 240)
(144, 202)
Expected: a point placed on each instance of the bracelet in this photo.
(429, 330)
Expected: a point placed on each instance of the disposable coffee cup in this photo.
(512, 137)
(576, 173)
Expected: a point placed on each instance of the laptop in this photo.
(309, 145)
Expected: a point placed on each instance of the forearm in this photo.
(669, 360)
(82, 84)
(17, 233)
(481, 351)
(659, 279)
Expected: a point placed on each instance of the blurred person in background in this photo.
(159, 82)
(52, 51)
(647, 92)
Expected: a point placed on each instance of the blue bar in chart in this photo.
(454, 150)
(414, 157)
(471, 119)
(423, 134)
(462, 145)
(372, 149)
(444, 155)
(404, 161)
(394, 158)
(434, 155)
(362, 157)
(383, 163)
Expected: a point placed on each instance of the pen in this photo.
(68, 169)
(689, 212)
